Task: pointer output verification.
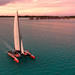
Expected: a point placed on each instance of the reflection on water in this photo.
(51, 41)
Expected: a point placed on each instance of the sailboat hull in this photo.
(29, 54)
(14, 56)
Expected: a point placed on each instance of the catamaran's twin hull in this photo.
(16, 55)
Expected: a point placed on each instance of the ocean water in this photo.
(51, 41)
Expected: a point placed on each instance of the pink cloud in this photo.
(4, 2)
(54, 7)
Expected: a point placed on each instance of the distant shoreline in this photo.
(44, 17)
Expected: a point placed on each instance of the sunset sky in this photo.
(38, 7)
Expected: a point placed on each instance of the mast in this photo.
(17, 38)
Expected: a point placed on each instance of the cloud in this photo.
(3, 2)
(56, 3)
(39, 6)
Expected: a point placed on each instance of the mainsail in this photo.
(17, 41)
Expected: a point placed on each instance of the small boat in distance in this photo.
(18, 43)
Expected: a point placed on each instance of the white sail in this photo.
(17, 42)
(22, 49)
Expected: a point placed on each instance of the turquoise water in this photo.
(51, 41)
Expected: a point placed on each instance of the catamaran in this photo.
(18, 43)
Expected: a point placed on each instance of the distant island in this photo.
(43, 17)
